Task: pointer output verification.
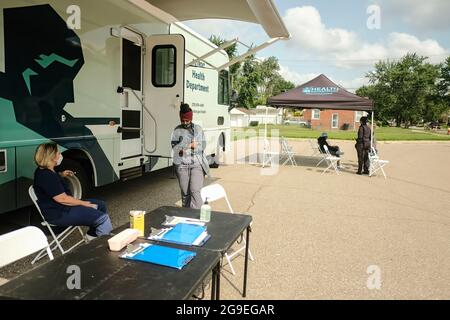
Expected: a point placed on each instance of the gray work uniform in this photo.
(191, 166)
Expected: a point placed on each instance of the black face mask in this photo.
(187, 126)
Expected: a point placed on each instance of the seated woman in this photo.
(334, 150)
(54, 198)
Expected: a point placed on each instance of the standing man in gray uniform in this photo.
(191, 165)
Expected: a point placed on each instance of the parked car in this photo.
(296, 122)
(432, 125)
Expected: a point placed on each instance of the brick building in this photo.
(333, 119)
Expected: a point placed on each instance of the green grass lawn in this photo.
(382, 134)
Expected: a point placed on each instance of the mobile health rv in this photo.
(105, 79)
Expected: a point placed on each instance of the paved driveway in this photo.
(315, 236)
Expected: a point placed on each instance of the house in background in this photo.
(241, 117)
(333, 119)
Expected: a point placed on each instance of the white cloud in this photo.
(307, 29)
(248, 33)
(295, 77)
(345, 48)
(424, 15)
(300, 78)
(400, 43)
(353, 84)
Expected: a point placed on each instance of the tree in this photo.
(249, 78)
(268, 70)
(272, 83)
(444, 83)
(281, 85)
(254, 80)
(406, 90)
(232, 52)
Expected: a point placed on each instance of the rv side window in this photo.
(224, 88)
(2, 161)
(131, 65)
(164, 66)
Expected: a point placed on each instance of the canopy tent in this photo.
(321, 93)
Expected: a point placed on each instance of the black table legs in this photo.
(219, 270)
(215, 286)
(213, 283)
(247, 246)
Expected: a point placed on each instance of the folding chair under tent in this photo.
(331, 160)
(376, 164)
(286, 152)
(323, 94)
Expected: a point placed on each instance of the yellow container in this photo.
(137, 221)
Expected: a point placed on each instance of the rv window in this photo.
(131, 65)
(2, 161)
(164, 66)
(224, 88)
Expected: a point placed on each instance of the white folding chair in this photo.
(21, 243)
(376, 164)
(315, 148)
(331, 160)
(216, 192)
(57, 239)
(269, 157)
(288, 152)
(323, 155)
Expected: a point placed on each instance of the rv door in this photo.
(131, 94)
(164, 92)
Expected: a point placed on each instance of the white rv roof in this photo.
(262, 12)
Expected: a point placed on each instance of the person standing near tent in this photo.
(363, 144)
(191, 166)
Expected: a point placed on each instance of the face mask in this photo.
(187, 126)
(60, 160)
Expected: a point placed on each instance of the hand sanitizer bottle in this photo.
(205, 212)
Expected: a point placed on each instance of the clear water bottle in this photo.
(205, 212)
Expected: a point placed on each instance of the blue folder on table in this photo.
(164, 256)
(184, 234)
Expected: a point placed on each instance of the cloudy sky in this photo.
(332, 37)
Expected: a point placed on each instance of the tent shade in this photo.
(321, 93)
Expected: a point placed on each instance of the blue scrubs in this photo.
(49, 184)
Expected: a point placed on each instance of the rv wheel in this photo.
(78, 184)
